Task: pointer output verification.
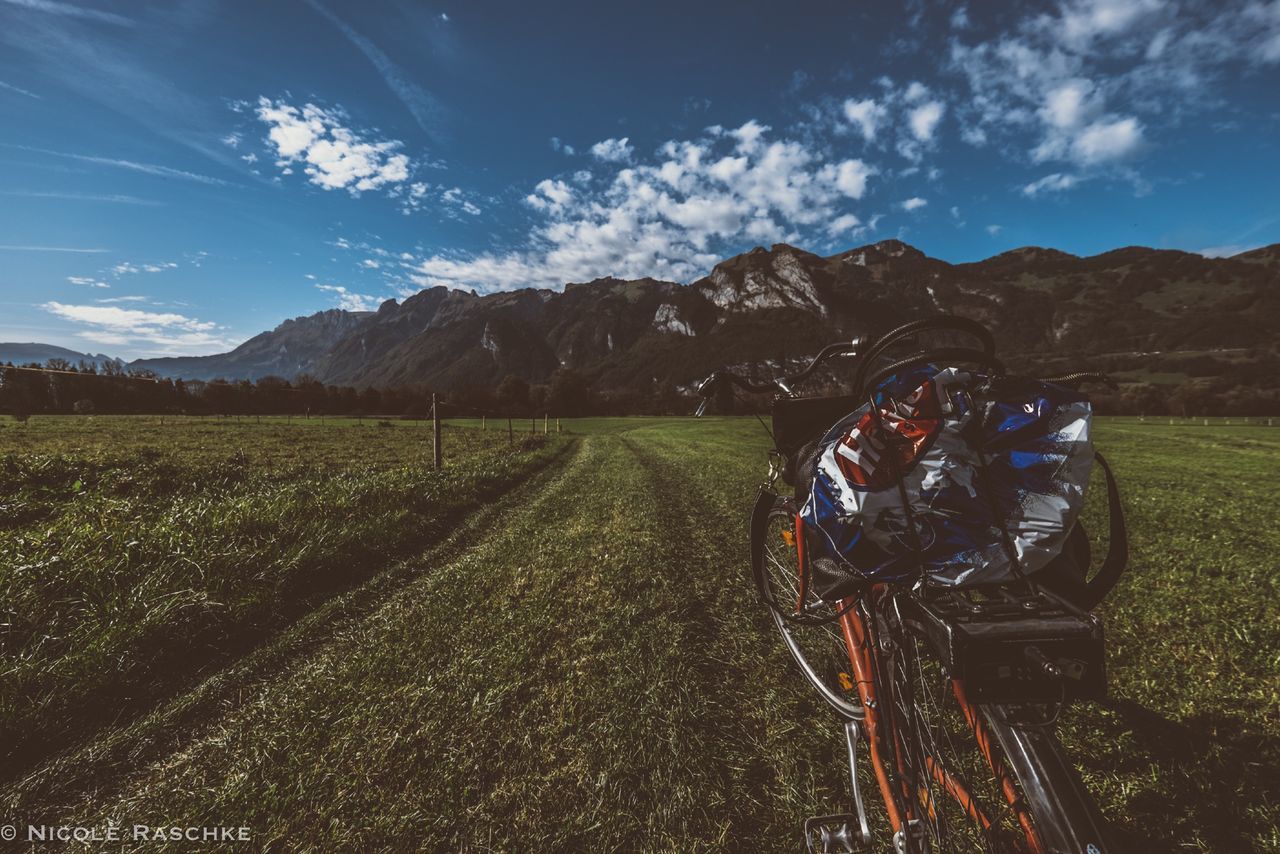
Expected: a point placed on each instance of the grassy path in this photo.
(573, 680)
(584, 667)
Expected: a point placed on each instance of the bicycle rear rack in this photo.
(1010, 648)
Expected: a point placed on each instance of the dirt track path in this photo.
(587, 671)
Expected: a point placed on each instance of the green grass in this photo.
(581, 662)
(134, 556)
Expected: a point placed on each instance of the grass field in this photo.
(549, 648)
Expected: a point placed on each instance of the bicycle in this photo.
(952, 693)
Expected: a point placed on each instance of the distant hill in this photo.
(291, 349)
(24, 354)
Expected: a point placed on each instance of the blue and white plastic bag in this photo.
(989, 473)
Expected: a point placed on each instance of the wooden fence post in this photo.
(511, 436)
(533, 425)
(482, 423)
(545, 416)
(435, 418)
(558, 425)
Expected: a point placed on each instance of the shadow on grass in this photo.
(1213, 769)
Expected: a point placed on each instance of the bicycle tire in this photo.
(1062, 815)
(1066, 817)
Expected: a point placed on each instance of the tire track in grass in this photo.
(524, 696)
(586, 677)
(781, 748)
(104, 763)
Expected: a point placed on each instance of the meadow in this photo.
(303, 629)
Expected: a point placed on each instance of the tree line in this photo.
(85, 388)
(61, 388)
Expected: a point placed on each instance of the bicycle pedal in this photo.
(831, 834)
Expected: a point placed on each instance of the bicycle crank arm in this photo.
(852, 734)
(844, 833)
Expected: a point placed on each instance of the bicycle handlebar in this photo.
(714, 383)
(867, 351)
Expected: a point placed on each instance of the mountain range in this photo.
(24, 354)
(1149, 315)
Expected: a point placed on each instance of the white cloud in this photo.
(1107, 140)
(866, 115)
(550, 195)
(113, 300)
(1066, 105)
(671, 218)
(613, 150)
(924, 120)
(332, 155)
(845, 224)
(87, 280)
(851, 178)
(370, 264)
(1085, 81)
(993, 230)
(456, 198)
(916, 91)
(914, 203)
(349, 301)
(1050, 184)
(232, 140)
(1085, 20)
(169, 333)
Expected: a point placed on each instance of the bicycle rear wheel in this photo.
(990, 777)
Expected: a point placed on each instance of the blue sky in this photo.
(176, 177)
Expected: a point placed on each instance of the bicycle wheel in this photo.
(987, 778)
(818, 650)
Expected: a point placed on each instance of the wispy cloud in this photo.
(165, 332)
(11, 88)
(1228, 250)
(88, 281)
(126, 267)
(1056, 182)
(425, 108)
(11, 248)
(132, 165)
(71, 10)
(82, 197)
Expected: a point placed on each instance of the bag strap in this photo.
(1113, 565)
